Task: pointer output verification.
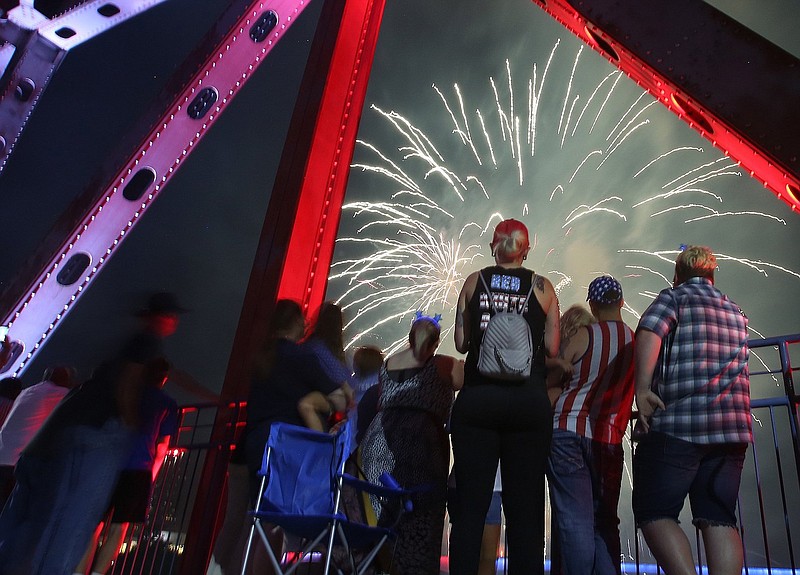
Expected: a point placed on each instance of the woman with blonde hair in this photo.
(407, 438)
(559, 370)
(497, 420)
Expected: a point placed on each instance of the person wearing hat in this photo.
(590, 417)
(495, 420)
(67, 473)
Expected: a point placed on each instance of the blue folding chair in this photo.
(301, 491)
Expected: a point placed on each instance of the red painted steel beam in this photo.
(297, 239)
(328, 164)
(733, 86)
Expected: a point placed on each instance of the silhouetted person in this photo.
(67, 472)
(130, 502)
(29, 412)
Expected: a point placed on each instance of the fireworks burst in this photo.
(427, 202)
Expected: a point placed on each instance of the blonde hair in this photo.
(424, 334)
(696, 261)
(574, 318)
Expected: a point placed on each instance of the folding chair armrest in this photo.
(389, 489)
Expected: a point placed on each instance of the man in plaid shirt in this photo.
(697, 411)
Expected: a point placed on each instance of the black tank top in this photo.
(508, 289)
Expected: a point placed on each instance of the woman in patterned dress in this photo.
(408, 439)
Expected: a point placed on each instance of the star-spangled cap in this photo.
(604, 289)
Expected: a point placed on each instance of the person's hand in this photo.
(349, 395)
(567, 369)
(646, 403)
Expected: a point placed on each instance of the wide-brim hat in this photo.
(162, 303)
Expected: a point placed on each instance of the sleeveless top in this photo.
(597, 402)
(508, 290)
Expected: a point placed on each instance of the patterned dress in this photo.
(408, 439)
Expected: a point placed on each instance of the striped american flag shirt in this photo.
(597, 401)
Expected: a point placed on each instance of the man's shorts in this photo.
(131, 498)
(667, 469)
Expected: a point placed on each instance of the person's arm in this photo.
(188, 383)
(648, 345)
(552, 325)
(451, 370)
(561, 368)
(462, 333)
(338, 399)
(346, 393)
(558, 370)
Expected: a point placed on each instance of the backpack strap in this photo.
(491, 299)
(488, 291)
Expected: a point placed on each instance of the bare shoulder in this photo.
(577, 345)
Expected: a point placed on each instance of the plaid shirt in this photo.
(707, 392)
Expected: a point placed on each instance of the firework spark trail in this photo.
(584, 209)
(652, 271)
(569, 117)
(692, 171)
(456, 129)
(575, 173)
(509, 124)
(605, 101)
(665, 155)
(685, 187)
(424, 268)
(718, 214)
(757, 265)
(505, 125)
(466, 124)
(715, 214)
(618, 128)
(488, 139)
(677, 192)
(591, 99)
(464, 133)
(535, 97)
(561, 123)
(419, 148)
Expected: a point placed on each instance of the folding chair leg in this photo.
(247, 548)
(329, 550)
(270, 551)
(308, 550)
(367, 561)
